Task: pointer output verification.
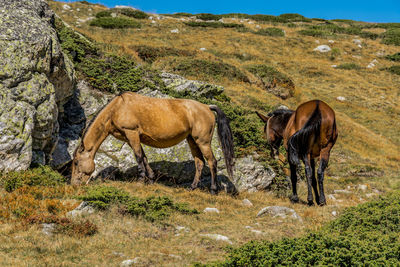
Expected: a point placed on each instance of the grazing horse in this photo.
(307, 133)
(159, 123)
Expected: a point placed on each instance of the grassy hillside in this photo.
(248, 55)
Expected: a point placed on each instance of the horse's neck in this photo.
(96, 133)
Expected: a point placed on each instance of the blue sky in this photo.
(370, 11)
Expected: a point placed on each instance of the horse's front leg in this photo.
(324, 158)
(149, 171)
(314, 181)
(134, 142)
(198, 160)
(309, 179)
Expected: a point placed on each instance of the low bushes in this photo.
(104, 13)
(349, 66)
(213, 24)
(391, 36)
(209, 70)
(114, 23)
(208, 16)
(275, 32)
(133, 13)
(394, 57)
(394, 69)
(151, 208)
(330, 29)
(364, 235)
(150, 53)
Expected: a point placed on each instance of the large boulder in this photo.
(36, 80)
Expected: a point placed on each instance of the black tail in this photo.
(299, 143)
(225, 138)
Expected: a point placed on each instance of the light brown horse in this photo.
(156, 122)
(307, 133)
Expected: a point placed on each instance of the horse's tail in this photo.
(225, 138)
(299, 143)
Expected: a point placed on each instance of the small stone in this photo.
(211, 210)
(341, 98)
(278, 211)
(341, 191)
(175, 31)
(317, 41)
(203, 49)
(363, 187)
(331, 41)
(372, 64)
(360, 46)
(370, 195)
(48, 228)
(247, 203)
(218, 237)
(258, 26)
(119, 254)
(66, 7)
(322, 48)
(334, 213)
(127, 263)
(331, 197)
(357, 41)
(82, 210)
(333, 66)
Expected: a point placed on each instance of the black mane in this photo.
(280, 112)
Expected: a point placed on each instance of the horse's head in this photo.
(275, 124)
(82, 166)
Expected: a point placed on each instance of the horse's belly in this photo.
(162, 142)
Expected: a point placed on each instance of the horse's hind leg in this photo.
(293, 177)
(198, 160)
(324, 158)
(314, 181)
(134, 142)
(149, 171)
(212, 163)
(309, 179)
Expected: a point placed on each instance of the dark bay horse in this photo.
(307, 133)
(160, 123)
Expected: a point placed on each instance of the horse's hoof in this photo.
(322, 203)
(294, 199)
(310, 203)
(213, 192)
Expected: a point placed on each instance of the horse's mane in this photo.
(280, 112)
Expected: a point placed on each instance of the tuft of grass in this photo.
(294, 17)
(335, 52)
(394, 57)
(363, 235)
(42, 175)
(115, 23)
(151, 208)
(104, 13)
(315, 32)
(391, 36)
(394, 69)
(150, 53)
(213, 24)
(349, 66)
(207, 69)
(133, 13)
(275, 32)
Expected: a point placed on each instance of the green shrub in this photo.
(208, 69)
(114, 23)
(276, 32)
(133, 13)
(369, 35)
(150, 53)
(394, 69)
(315, 33)
(394, 57)
(293, 17)
(387, 25)
(204, 24)
(75, 45)
(42, 175)
(365, 235)
(112, 73)
(391, 36)
(104, 13)
(270, 76)
(151, 208)
(208, 16)
(348, 66)
(179, 14)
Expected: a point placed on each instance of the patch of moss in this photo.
(150, 53)
(115, 23)
(210, 70)
(275, 32)
(151, 208)
(391, 36)
(42, 175)
(394, 57)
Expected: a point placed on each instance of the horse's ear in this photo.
(262, 117)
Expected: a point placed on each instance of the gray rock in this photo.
(247, 203)
(48, 228)
(341, 191)
(131, 262)
(82, 210)
(211, 210)
(357, 41)
(36, 80)
(218, 237)
(334, 213)
(362, 187)
(322, 48)
(278, 211)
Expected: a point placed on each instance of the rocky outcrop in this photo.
(36, 80)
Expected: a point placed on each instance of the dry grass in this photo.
(367, 151)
